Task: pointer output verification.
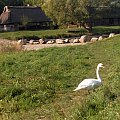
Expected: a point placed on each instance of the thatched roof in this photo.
(16, 14)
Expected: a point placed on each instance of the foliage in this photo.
(39, 84)
(66, 11)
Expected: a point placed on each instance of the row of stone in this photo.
(82, 39)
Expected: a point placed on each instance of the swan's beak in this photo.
(102, 66)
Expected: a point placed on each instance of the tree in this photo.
(55, 9)
(78, 12)
(67, 11)
(33, 2)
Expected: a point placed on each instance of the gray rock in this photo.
(111, 35)
(66, 40)
(31, 42)
(94, 39)
(41, 41)
(100, 38)
(76, 40)
(59, 41)
(85, 38)
(50, 42)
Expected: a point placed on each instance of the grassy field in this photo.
(57, 33)
(38, 85)
(41, 34)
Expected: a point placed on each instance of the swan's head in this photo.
(100, 65)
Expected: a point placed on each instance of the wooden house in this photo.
(23, 17)
(106, 16)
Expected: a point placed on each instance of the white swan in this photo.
(90, 84)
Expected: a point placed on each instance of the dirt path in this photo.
(41, 46)
(38, 46)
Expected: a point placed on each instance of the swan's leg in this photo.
(89, 91)
(94, 90)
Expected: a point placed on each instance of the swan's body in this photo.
(90, 84)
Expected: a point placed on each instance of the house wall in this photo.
(106, 22)
(1, 28)
(8, 27)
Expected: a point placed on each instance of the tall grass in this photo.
(39, 84)
(7, 46)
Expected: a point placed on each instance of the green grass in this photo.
(106, 29)
(40, 34)
(39, 84)
(59, 33)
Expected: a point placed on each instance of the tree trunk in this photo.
(87, 26)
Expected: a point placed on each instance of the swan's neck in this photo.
(97, 73)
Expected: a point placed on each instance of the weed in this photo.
(6, 46)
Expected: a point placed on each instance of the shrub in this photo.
(10, 47)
